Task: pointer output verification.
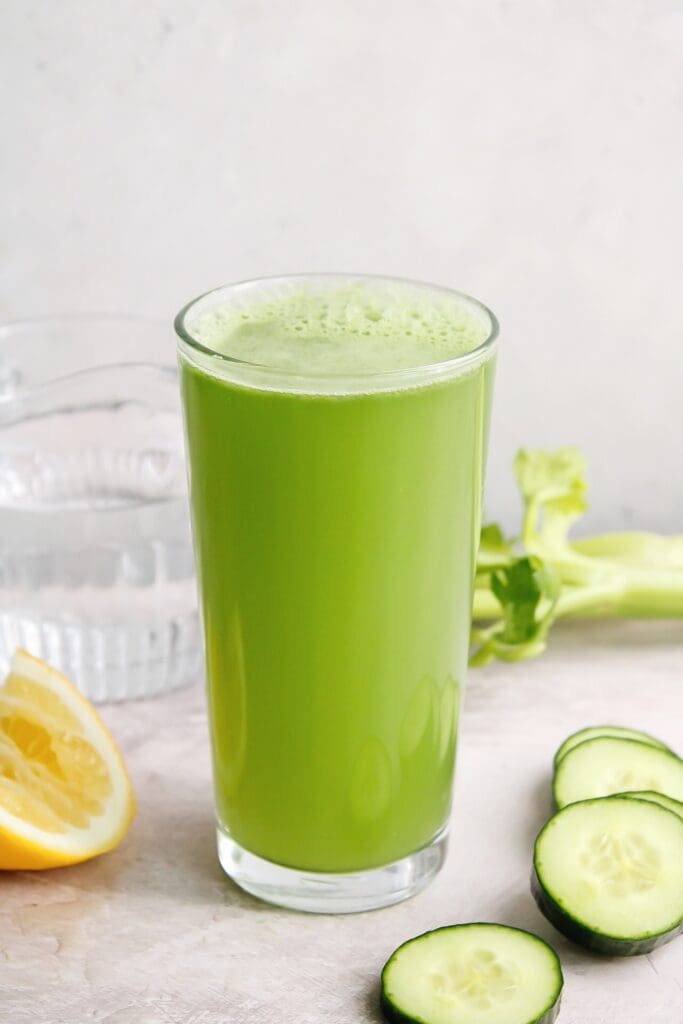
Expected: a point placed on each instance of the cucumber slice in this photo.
(609, 765)
(471, 973)
(657, 798)
(595, 731)
(608, 874)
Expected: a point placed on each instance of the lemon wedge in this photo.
(65, 794)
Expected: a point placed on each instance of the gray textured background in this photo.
(528, 152)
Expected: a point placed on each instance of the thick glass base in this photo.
(320, 893)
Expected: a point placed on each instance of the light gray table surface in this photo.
(153, 933)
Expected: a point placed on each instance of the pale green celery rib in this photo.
(630, 594)
(634, 548)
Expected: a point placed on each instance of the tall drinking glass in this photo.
(336, 430)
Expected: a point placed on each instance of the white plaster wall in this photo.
(529, 152)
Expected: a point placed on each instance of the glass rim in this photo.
(251, 373)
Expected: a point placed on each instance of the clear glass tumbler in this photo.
(336, 519)
(96, 567)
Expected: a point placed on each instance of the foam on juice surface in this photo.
(353, 327)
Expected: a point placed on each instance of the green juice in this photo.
(336, 516)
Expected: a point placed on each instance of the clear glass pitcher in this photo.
(96, 569)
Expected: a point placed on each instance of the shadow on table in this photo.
(541, 800)
(169, 856)
(371, 1006)
(622, 633)
(519, 910)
